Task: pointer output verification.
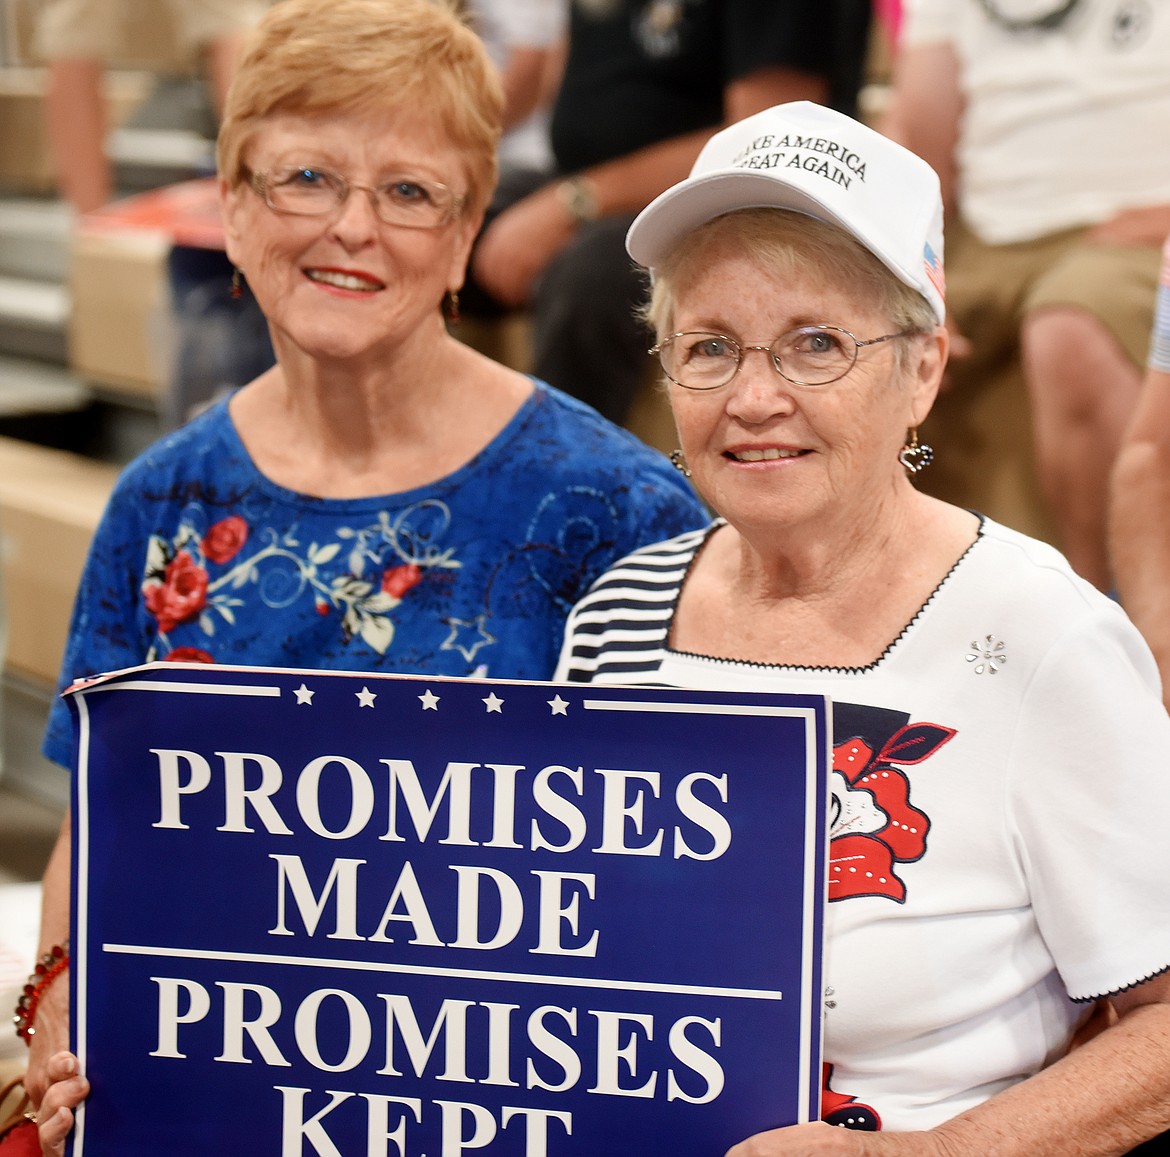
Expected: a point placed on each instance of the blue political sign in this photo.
(322, 913)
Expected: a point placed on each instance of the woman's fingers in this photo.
(53, 1130)
(67, 1089)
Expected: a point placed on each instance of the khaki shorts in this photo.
(991, 287)
(980, 426)
(102, 28)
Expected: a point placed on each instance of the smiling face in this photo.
(770, 455)
(346, 285)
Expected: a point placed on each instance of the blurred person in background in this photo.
(525, 38)
(78, 37)
(1038, 116)
(645, 83)
(1140, 511)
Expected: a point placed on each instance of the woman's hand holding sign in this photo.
(68, 1088)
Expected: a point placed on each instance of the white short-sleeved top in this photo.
(998, 851)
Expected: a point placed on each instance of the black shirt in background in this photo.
(655, 69)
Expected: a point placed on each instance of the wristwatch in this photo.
(576, 194)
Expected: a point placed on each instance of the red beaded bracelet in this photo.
(48, 968)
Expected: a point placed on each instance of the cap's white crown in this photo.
(813, 160)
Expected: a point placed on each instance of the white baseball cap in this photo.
(811, 159)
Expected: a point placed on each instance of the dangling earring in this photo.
(451, 307)
(237, 289)
(680, 463)
(914, 457)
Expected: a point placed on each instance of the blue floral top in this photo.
(200, 557)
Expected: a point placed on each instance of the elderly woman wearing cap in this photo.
(993, 872)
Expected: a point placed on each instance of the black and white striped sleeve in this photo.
(618, 632)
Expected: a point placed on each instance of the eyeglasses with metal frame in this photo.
(810, 355)
(401, 199)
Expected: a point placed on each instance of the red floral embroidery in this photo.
(209, 577)
(397, 580)
(222, 541)
(187, 655)
(180, 595)
(863, 863)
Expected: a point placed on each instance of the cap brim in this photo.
(673, 214)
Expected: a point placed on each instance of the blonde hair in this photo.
(317, 57)
(789, 244)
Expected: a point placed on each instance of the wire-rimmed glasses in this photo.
(401, 199)
(810, 355)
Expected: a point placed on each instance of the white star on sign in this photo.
(559, 706)
(429, 700)
(365, 697)
(494, 703)
(303, 694)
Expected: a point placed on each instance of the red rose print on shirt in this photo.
(397, 580)
(222, 541)
(874, 826)
(212, 578)
(180, 595)
(187, 655)
(848, 1112)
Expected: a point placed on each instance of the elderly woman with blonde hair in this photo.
(994, 874)
(384, 497)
